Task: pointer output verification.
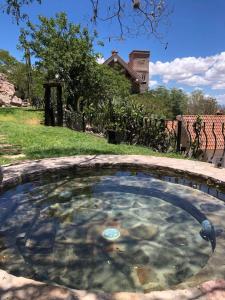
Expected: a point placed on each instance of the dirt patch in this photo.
(15, 157)
(32, 121)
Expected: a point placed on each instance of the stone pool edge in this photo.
(12, 287)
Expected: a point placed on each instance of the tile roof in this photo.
(208, 140)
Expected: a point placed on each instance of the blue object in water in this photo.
(111, 234)
(208, 233)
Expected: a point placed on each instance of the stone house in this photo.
(136, 70)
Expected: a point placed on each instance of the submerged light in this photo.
(111, 234)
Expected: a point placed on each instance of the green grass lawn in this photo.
(22, 127)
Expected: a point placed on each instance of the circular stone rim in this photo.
(18, 173)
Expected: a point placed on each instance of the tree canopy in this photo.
(172, 102)
(64, 51)
(163, 102)
(14, 7)
(199, 104)
(16, 72)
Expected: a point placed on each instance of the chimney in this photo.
(139, 62)
(114, 52)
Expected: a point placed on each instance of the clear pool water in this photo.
(52, 230)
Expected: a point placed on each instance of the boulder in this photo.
(16, 102)
(7, 93)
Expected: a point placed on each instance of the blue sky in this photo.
(195, 57)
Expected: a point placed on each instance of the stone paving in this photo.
(16, 288)
(16, 173)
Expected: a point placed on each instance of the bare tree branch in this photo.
(129, 17)
(133, 17)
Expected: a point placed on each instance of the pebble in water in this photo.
(65, 194)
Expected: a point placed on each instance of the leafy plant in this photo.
(132, 122)
(195, 146)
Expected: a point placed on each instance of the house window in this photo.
(143, 77)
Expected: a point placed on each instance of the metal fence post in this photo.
(179, 129)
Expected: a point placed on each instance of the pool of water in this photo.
(55, 230)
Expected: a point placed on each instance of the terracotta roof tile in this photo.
(207, 139)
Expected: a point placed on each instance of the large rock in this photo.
(7, 93)
(16, 102)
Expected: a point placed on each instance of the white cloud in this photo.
(197, 88)
(153, 83)
(100, 60)
(219, 86)
(193, 71)
(194, 81)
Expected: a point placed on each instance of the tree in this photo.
(178, 102)
(154, 101)
(64, 52)
(199, 104)
(163, 102)
(13, 7)
(7, 62)
(133, 17)
(17, 73)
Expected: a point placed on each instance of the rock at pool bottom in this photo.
(144, 232)
(145, 275)
(42, 236)
(65, 195)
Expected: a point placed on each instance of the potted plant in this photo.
(115, 126)
(113, 133)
